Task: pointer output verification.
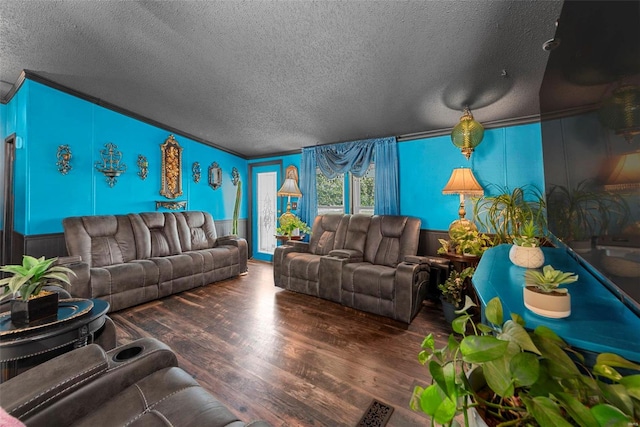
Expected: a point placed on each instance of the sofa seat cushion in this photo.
(369, 279)
(176, 274)
(124, 285)
(167, 397)
(302, 266)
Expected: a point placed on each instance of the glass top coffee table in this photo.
(24, 347)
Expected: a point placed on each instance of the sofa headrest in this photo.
(196, 230)
(156, 234)
(390, 238)
(328, 233)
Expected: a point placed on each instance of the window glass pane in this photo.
(362, 190)
(330, 193)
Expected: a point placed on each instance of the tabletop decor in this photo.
(526, 251)
(542, 294)
(25, 283)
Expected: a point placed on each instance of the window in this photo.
(350, 191)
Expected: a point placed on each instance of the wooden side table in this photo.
(24, 348)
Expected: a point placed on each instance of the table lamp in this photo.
(289, 188)
(462, 182)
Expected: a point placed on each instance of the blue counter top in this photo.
(599, 322)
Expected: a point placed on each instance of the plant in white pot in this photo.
(26, 282)
(526, 251)
(542, 293)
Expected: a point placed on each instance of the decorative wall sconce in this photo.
(111, 165)
(143, 167)
(215, 176)
(235, 176)
(64, 159)
(171, 168)
(195, 169)
(467, 134)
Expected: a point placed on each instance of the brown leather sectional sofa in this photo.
(361, 261)
(131, 259)
(138, 384)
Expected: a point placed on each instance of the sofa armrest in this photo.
(412, 281)
(416, 259)
(348, 254)
(80, 284)
(241, 244)
(71, 386)
(280, 253)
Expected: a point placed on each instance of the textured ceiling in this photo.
(263, 77)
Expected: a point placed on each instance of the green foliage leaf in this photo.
(632, 384)
(616, 395)
(577, 410)
(556, 360)
(525, 369)
(616, 361)
(610, 416)
(493, 311)
(545, 411)
(516, 333)
(498, 376)
(433, 402)
(459, 324)
(478, 349)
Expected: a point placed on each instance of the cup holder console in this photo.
(127, 353)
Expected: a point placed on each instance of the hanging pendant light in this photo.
(467, 134)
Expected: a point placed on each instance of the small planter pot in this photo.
(449, 311)
(526, 257)
(35, 309)
(554, 305)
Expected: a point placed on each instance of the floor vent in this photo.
(376, 415)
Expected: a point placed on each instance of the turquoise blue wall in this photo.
(45, 118)
(507, 157)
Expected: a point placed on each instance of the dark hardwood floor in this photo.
(288, 358)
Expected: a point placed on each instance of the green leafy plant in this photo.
(28, 279)
(518, 377)
(465, 241)
(549, 279)
(236, 209)
(290, 223)
(455, 287)
(528, 236)
(505, 214)
(584, 211)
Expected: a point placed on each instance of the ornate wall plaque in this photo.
(171, 168)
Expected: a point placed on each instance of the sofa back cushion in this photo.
(100, 240)
(328, 233)
(156, 234)
(357, 230)
(390, 238)
(196, 230)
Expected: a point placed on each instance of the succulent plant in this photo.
(549, 279)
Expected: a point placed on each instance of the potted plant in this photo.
(526, 251)
(515, 377)
(542, 294)
(291, 225)
(578, 214)
(504, 214)
(453, 291)
(465, 241)
(25, 283)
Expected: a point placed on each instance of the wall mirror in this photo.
(215, 176)
(171, 168)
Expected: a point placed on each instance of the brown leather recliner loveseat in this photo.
(131, 259)
(138, 384)
(365, 262)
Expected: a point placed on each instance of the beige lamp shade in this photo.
(626, 173)
(463, 182)
(289, 188)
